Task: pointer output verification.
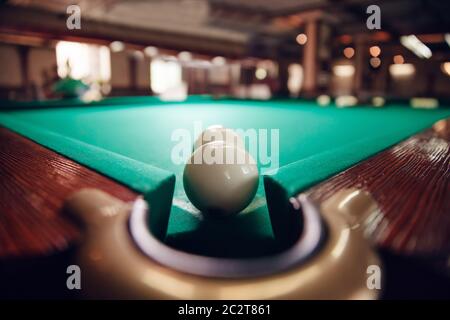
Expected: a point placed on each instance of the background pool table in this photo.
(129, 141)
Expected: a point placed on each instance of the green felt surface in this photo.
(315, 142)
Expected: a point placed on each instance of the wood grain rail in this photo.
(34, 182)
(411, 184)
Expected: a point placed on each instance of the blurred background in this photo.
(254, 49)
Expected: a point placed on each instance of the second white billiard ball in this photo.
(220, 189)
(219, 133)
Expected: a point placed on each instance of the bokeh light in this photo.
(445, 67)
(375, 62)
(349, 52)
(375, 51)
(261, 73)
(301, 39)
(398, 59)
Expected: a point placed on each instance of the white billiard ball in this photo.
(219, 133)
(223, 188)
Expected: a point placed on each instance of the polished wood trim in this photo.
(34, 182)
(411, 184)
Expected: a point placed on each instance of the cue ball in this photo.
(219, 133)
(224, 188)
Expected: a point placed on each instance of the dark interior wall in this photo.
(130, 74)
(23, 67)
(442, 85)
(40, 60)
(120, 70)
(11, 73)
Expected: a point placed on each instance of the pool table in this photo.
(94, 184)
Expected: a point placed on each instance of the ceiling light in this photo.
(445, 67)
(301, 39)
(185, 56)
(261, 73)
(401, 70)
(412, 43)
(151, 51)
(375, 51)
(218, 61)
(349, 52)
(398, 59)
(345, 70)
(117, 46)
